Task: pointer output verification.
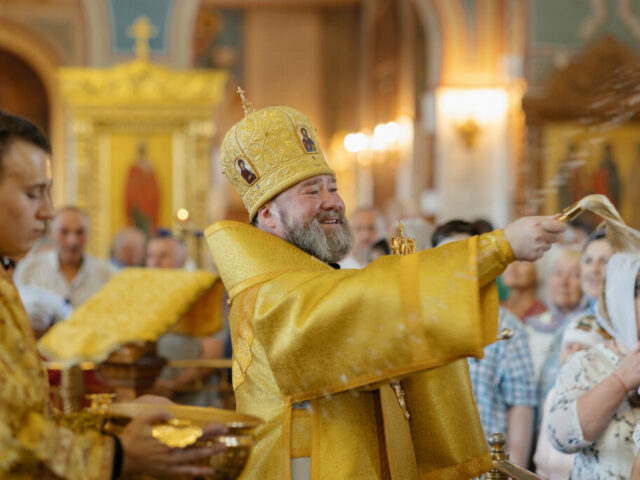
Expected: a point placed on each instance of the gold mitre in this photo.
(268, 151)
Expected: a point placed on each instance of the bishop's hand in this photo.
(530, 237)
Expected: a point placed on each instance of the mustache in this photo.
(331, 215)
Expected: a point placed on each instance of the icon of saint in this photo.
(605, 179)
(246, 171)
(570, 176)
(634, 192)
(309, 146)
(142, 193)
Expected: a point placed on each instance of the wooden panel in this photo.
(21, 90)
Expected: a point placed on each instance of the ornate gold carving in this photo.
(140, 83)
(138, 98)
(601, 80)
(142, 31)
(598, 89)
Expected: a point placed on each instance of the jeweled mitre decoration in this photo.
(268, 151)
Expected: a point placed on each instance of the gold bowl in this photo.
(186, 428)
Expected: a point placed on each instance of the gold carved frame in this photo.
(592, 101)
(138, 98)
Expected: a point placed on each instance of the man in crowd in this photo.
(364, 225)
(128, 248)
(504, 383)
(318, 352)
(66, 270)
(32, 443)
(165, 251)
(521, 278)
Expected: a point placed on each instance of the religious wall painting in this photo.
(142, 193)
(307, 142)
(605, 179)
(633, 192)
(246, 171)
(580, 161)
(141, 181)
(570, 178)
(218, 39)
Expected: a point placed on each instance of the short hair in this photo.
(382, 244)
(13, 127)
(163, 234)
(71, 208)
(482, 226)
(597, 235)
(452, 227)
(127, 233)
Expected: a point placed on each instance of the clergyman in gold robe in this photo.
(315, 348)
(33, 445)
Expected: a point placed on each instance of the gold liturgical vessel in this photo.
(401, 245)
(174, 300)
(184, 430)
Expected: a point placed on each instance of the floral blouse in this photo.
(611, 456)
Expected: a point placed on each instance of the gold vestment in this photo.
(303, 331)
(32, 444)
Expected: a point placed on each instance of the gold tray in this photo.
(197, 415)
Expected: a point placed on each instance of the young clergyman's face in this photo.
(310, 215)
(25, 204)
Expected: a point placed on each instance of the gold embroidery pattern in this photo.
(269, 140)
(242, 355)
(32, 443)
(136, 306)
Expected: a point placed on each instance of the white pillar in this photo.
(472, 182)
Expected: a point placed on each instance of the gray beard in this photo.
(329, 247)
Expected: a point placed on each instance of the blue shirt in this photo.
(504, 377)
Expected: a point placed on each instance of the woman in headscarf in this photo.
(596, 406)
(582, 333)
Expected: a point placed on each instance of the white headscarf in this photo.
(616, 310)
(583, 329)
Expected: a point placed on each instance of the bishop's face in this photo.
(25, 204)
(310, 215)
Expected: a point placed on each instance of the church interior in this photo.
(427, 110)
(442, 109)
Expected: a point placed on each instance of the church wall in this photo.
(60, 24)
(284, 60)
(480, 81)
(510, 45)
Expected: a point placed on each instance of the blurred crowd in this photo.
(548, 312)
(58, 275)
